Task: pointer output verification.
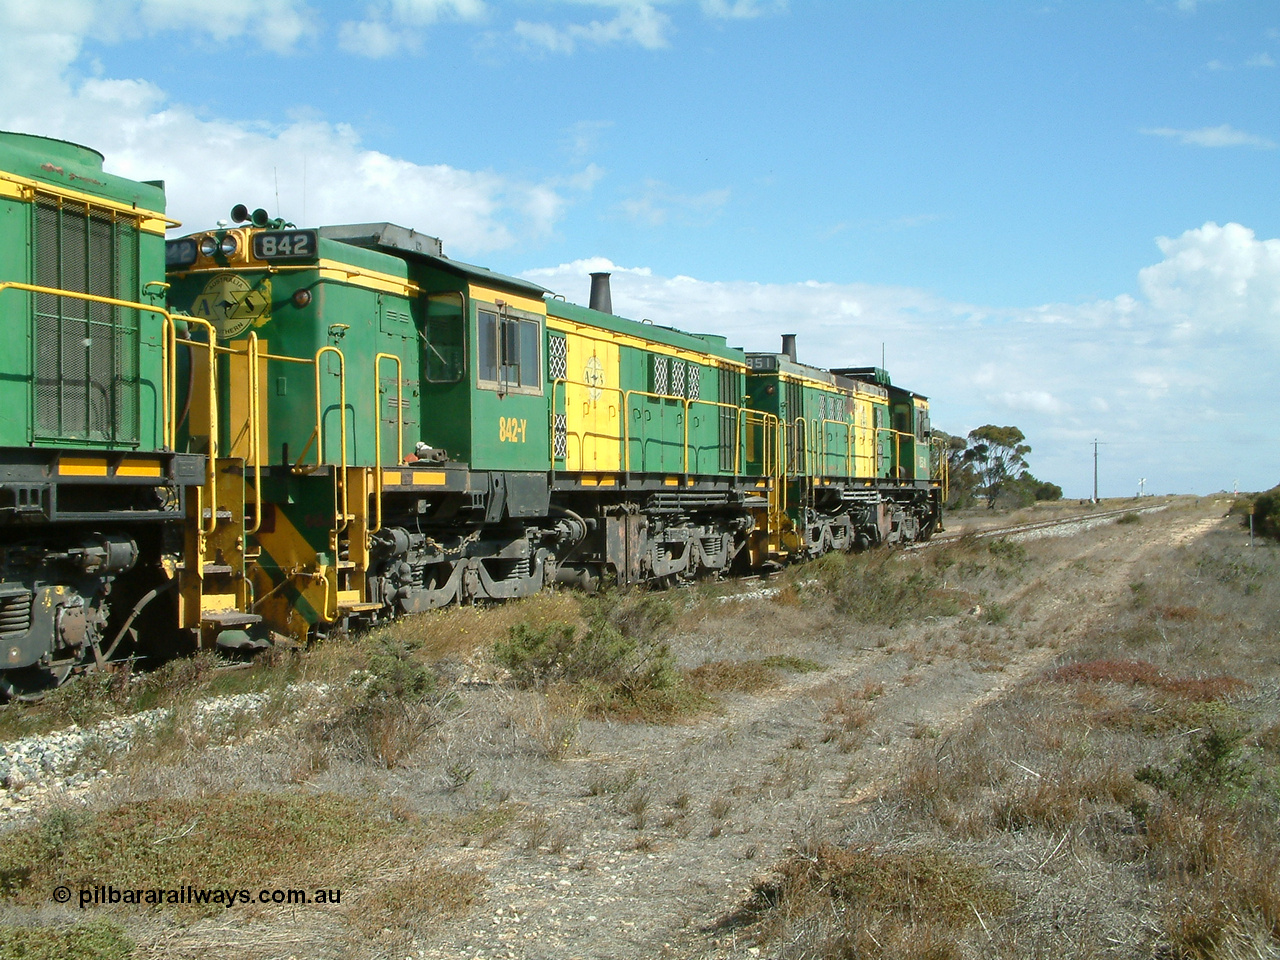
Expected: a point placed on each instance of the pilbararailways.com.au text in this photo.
(111, 895)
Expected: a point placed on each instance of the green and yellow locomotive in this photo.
(274, 432)
(91, 489)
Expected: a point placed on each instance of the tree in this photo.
(962, 480)
(998, 454)
(1048, 491)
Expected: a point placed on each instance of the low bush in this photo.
(867, 901)
(1266, 513)
(95, 940)
(618, 661)
(883, 588)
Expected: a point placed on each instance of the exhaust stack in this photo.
(600, 297)
(789, 346)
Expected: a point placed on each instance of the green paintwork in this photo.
(64, 409)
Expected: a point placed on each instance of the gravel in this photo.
(59, 762)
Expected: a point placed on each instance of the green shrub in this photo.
(619, 653)
(1214, 765)
(396, 673)
(1266, 514)
(95, 940)
(881, 588)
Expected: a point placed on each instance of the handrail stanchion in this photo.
(255, 433)
(340, 503)
(378, 479)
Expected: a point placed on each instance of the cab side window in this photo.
(508, 351)
(442, 338)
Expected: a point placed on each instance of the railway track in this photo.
(1057, 526)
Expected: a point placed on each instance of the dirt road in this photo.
(640, 844)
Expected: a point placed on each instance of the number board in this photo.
(180, 253)
(285, 245)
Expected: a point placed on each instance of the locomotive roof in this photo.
(409, 245)
(72, 167)
(695, 342)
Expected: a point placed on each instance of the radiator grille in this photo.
(86, 353)
(730, 433)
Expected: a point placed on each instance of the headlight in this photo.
(208, 246)
(228, 245)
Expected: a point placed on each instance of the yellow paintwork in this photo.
(217, 602)
(239, 417)
(140, 468)
(82, 466)
(313, 580)
(370, 279)
(15, 187)
(593, 404)
(332, 270)
(489, 295)
(423, 478)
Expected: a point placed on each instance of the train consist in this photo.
(261, 432)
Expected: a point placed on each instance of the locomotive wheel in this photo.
(31, 683)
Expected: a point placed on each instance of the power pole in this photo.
(1095, 469)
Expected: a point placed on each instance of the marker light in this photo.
(301, 298)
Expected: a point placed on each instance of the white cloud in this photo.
(1260, 60)
(210, 164)
(582, 139)
(375, 39)
(1222, 136)
(276, 24)
(392, 26)
(657, 204)
(741, 9)
(1161, 377)
(1216, 281)
(637, 22)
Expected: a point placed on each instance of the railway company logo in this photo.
(231, 304)
(593, 377)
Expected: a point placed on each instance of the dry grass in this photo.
(873, 901)
(1142, 673)
(282, 839)
(95, 940)
(412, 904)
(732, 676)
(1133, 793)
(462, 634)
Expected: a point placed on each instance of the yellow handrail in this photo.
(377, 430)
(736, 432)
(211, 473)
(165, 358)
(340, 483)
(255, 432)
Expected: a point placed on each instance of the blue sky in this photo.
(1056, 215)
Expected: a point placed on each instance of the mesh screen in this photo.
(87, 375)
